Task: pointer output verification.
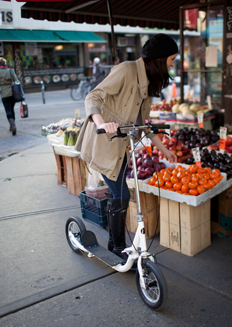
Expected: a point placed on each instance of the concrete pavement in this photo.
(44, 283)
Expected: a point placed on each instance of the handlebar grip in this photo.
(163, 126)
(100, 131)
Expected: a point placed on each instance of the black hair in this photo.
(157, 74)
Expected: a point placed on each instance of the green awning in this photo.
(79, 36)
(49, 36)
(6, 35)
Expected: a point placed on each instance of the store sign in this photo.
(6, 17)
(31, 48)
(1, 49)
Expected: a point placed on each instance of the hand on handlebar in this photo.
(110, 128)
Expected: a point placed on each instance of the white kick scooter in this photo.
(150, 281)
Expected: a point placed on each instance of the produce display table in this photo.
(178, 121)
(71, 170)
(185, 221)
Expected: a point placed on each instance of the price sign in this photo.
(209, 102)
(197, 156)
(223, 132)
(148, 145)
(200, 116)
(77, 114)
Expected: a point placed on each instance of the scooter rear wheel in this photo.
(154, 295)
(76, 227)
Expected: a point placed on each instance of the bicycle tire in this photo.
(76, 93)
(155, 293)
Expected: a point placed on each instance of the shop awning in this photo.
(49, 36)
(143, 13)
(75, 36)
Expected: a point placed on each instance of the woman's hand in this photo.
(110, 128)
(172, 158)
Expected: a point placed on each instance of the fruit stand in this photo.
(181, 115)
(188, 190)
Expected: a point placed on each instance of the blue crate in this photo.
(93, 209)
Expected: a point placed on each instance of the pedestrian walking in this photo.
(6, 93)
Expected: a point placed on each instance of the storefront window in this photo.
(8, 55)
(52, 64)
(97, 50)
(203, 54)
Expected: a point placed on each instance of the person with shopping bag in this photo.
(8, 100)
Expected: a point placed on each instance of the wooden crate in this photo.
(185, 228)
(149, 207)
(71, 173)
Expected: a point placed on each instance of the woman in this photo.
(6, 93)
(124, 98)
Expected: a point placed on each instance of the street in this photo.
(58, 105)
(44, 283)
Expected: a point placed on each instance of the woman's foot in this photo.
(12, 126)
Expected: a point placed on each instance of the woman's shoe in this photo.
(12, 126)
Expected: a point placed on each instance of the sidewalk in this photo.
(44, 283)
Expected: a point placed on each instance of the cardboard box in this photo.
(149, 208)
(223, 227)
(184, 228)
(168, 116)
(192, 118)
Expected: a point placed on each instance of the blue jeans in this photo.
(9, 103)
(119, 189)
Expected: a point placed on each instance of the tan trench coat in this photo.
(118, 99)
(6, 82)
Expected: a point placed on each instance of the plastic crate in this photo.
(93, 209)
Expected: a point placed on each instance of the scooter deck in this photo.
(89, 241)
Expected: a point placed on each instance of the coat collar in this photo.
(142, 78)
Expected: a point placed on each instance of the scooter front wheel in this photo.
(154, 295)
(74, 227)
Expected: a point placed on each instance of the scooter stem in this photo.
(135, 173)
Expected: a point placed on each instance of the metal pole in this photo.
(181, 55)
(114, 59)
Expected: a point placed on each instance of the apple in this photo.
(172, 148)
(173, 140)
(161, 157)
(179, 142)
(160, 153)
(162, 165)
(147, 163)
(141, 174)
(140, 168)
(165, 141)
(150, 170)
(155, 151)
(139, 162)
(155, 159)
(146, 156)
(228, 141)
(179, 153)
(178, 147)
(132, 174)
(157, 167)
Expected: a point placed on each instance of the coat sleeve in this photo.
(111, 85)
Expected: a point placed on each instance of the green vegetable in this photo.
(66, 137)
